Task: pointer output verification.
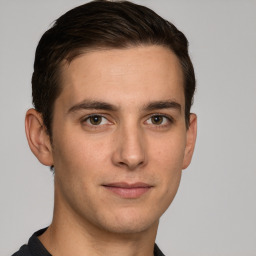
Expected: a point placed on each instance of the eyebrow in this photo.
(91, 104)
(169, 104)
(100, 105)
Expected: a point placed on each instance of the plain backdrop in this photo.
(214, 212)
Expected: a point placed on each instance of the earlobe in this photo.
(191, 140)
(38, 139)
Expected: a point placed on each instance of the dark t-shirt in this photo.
(36, 248)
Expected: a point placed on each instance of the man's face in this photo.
(119, 137)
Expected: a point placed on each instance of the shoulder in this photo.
(34, 246)
(23, 251)
(157, 251)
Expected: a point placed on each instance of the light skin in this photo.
(119, 144)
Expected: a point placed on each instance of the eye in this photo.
(159, 120)
(96, 120)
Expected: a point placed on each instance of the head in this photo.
(112, 88)
(102, 25)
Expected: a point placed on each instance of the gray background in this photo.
(214, 213)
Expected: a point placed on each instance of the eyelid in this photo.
(169, 118)
(86, 118)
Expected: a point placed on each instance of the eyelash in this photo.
(168, 118)
(95, 126)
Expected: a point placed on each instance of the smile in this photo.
(128, 191)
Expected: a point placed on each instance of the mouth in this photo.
(128, 191)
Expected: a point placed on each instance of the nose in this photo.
(130, 149)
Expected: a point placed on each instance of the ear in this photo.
(38, 138)
(191, 140)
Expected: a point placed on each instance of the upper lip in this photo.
(128, 185)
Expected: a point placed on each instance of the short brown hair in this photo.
(97, 25)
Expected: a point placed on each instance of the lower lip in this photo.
(130, 193)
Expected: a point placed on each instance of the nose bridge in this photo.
(130, 151)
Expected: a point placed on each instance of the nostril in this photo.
(131, 164)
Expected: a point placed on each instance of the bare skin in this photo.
(119, 146)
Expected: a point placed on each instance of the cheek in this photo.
(168, 158)
(79, 154)
(79, 166)
(169, 152)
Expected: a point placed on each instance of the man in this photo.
(112, 89)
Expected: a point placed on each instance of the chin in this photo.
(130, 223)
(130, 228)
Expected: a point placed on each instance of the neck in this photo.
(70, 234)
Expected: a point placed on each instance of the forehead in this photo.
(123, 76)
